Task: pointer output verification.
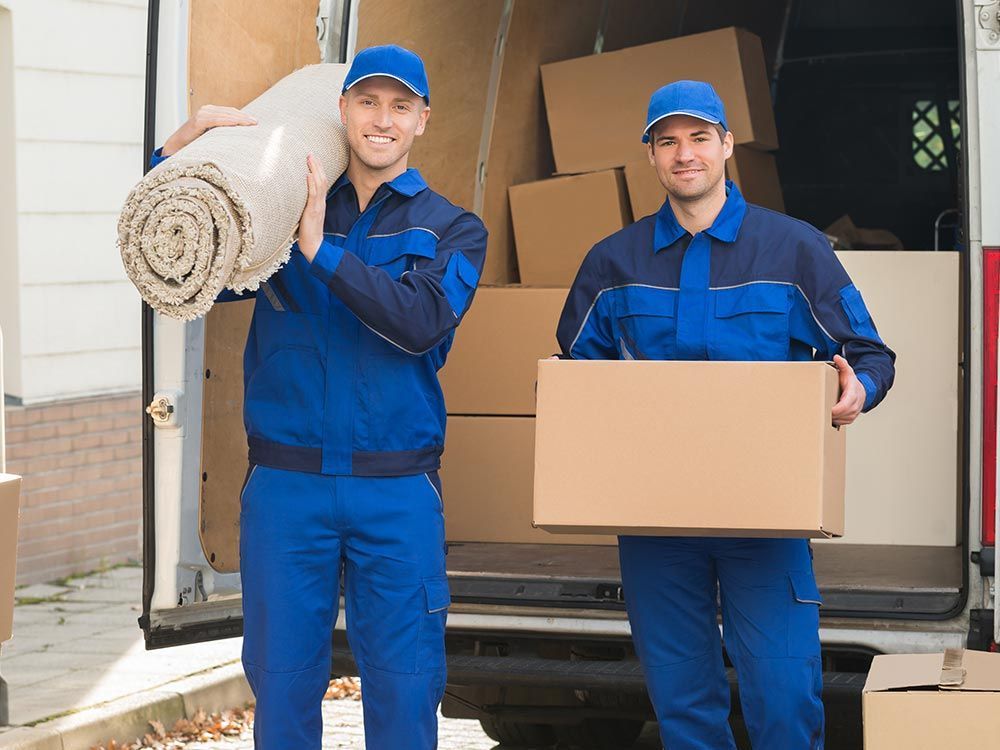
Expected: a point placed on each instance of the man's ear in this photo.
(651, 152)
(343, 109)
(727, 144)
(425, 115)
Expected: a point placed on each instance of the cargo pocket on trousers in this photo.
(803, 615)
(437, 598)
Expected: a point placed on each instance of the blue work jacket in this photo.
(755, 286)
(341, 361)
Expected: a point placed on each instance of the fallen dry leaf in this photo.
(232, 723)
(344, 688)
(203, 727)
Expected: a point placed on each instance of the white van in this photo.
(888, 112)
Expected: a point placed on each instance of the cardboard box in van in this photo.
(689, 448)
(557, 221)
(486, 473)
(754, 172)
(932, 701)
(596, 105)
(756, 175)
(493, 363)
(10, 492)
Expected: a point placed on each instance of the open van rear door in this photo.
(194, 392)
(982, 80)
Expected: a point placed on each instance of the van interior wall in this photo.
(237, 50)
(848, 76)
(488, 130)
(487, 127)
(856, 76)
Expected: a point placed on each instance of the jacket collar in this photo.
(725, 228)
(407, 184)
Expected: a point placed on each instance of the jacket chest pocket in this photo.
(398, 253)
(647, 324)
(750, 323)
(285, 394)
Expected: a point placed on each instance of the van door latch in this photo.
(163, 409)
(989, 19)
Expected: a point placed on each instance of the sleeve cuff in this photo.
(327, 259)
(870, 390)
(157, 157)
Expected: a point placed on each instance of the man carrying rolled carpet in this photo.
(345, 421)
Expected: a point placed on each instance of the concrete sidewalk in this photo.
(78, 673)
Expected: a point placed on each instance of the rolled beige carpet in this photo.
(224, 210)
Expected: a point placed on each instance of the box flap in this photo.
(976, 670)
(898, 671)
(956, 669)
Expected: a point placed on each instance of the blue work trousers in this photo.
(298, 531)
(770, 619)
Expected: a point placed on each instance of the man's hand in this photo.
(852, 394)
(314, 214)
(207, 117)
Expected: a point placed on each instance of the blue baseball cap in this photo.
(693, 98)
(391, 61)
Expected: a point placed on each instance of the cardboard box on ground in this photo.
(10, 492)
(932, 701)
(689, 448)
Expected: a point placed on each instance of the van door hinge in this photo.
(163, 409)
(989, 21)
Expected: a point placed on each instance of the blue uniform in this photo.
(755, 286)
(345, 421)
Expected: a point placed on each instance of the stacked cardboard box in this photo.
(489, 388)
(10, 492)
(596, 107)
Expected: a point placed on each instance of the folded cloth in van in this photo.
(224, 210)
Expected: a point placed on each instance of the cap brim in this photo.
(688, 112)
(403, 81)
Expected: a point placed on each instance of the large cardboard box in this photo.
(932, 701)
(492, 365)
(701, 448)
(557, 221)
(596, 105)
(486, 474)
(10, 492)
(754, 172)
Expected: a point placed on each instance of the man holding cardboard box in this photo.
(710, 277)
(345, 422)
